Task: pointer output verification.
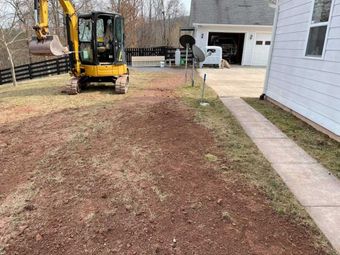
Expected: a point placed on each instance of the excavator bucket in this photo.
(51, 46)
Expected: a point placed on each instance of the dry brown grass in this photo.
(43, 96)
(315, 143)
(246, 161)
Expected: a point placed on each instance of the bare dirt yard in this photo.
(100, 173)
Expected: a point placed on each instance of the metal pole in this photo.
(119, 2)
(204, 104)
(203, 88)
(193, 72)
(186, 63)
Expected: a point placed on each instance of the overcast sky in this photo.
(187, 4)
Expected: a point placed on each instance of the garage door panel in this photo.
(261, 49)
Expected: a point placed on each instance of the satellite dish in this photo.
(198, 53)
(187, 39)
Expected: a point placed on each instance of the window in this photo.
(268, 42)
(85, 30)
(100, 30)
(259, 42)
(318, 28)
(119, 29)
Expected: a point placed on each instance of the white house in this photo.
(243, 28)
(304, 70)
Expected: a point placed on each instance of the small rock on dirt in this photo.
(226, 216)
(174, 243)
(38, 237)
(29, 207)
(211, 157)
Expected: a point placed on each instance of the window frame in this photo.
(319, 24)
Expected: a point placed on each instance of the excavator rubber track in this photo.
(73, 87)
(122, 84)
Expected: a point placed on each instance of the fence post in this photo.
(67, 61)
(30, 71)
(58, 68)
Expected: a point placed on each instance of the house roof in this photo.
(235, 12)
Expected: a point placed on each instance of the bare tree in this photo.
(10, 34)
(148, 23)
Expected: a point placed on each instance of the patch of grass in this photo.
(211, 157)
(226, 216)
(14, 204)
(315, 143)
(161, 195)
(246, 161)
(12, 212)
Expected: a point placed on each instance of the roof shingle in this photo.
(236, 12)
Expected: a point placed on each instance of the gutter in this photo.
(231, 25)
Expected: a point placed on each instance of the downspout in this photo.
(276, 18)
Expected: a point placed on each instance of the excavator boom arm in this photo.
(50, 45)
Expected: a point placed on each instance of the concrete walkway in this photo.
(237, 81)
(314, 187)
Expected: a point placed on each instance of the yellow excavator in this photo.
(95, 46)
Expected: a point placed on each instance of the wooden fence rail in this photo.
(61, 65)
(35, 70)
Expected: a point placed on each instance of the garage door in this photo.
(261, 49)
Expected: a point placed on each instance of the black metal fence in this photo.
(61, 65)
(35, 70)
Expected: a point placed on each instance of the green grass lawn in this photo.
(315, 143)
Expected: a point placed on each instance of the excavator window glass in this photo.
(119, 30)
(105, 40)
(85, 40)
(85, 30)
(100, 30)
(119, 36)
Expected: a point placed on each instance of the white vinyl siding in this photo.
(309, 86)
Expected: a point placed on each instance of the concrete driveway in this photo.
(237, 81)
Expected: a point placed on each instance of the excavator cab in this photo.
(101, 39)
